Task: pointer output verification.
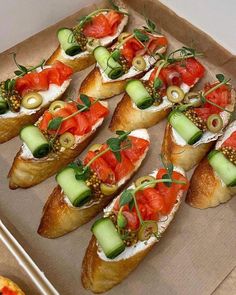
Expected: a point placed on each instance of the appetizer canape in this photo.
(101, 27)
(85, 189)
(55, 140)
(7, 287)
(131, 225)
(148, 100)
(133, 55)
(214, 180)
(193, 128)
(25, 97)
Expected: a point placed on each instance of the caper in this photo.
(147, 229)
(95, 147)
(92, 44)
(139, 63)
(108, 189)
(67, 140)
(143, 179)
(214, 123)
(174, 94)
(56, 105)
(123, 36)
(32, 100)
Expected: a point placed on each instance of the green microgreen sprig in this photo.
(128, 196)
(114, 144)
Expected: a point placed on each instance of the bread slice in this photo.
(94, 87)
(126, 117)
(100, 274)
(10, 285)
(185, 156)
(77, 64)
(206, 188)
(60, 217)
(12, 125)
(27, 171)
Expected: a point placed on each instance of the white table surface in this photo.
(20, 19)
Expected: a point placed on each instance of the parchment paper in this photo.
(198, 250)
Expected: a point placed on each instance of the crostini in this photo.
(8, 287)
(55, 140)
(214, 180)
(25, 97)
(192, 129)
(148, 100)
(131, 225)
(101, 27)
(76, 200)
(133, 55)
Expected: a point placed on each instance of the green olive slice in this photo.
(193, 98)
(121, 220)
(147, 229)
(143, 179)
(139, 63)
(56, 106)
(67, 140)
(214, 123)
(174, 94)
(108, 189)
(95, 147)
(123, 36)
(32, 100)
(92, 44)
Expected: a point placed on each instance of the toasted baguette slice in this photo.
(11, 126)
(126, 117)
(207, 189)
(10, 286)
(78, 64)
(94, 87)
(185, 156)
(85, 59)
(26, 172)
(100, 274)
(60, 217)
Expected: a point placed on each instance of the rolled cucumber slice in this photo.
(139, 94)
(223, 167)
(185, 127)
(111, 67)
(68, 42)
(108, 237)
(76, 190)
(35, 140)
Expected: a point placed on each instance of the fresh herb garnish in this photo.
(151, 27)
(128, 196)
(138, 34)
(115, 145)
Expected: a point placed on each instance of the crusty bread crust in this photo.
(59, 218)
(126, 117)
(206, 189)
(4, 282)
(100, 276)
(183, 156)
(25, 173)
(77, 64)
(93, 86)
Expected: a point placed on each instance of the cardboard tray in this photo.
(195, 254)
